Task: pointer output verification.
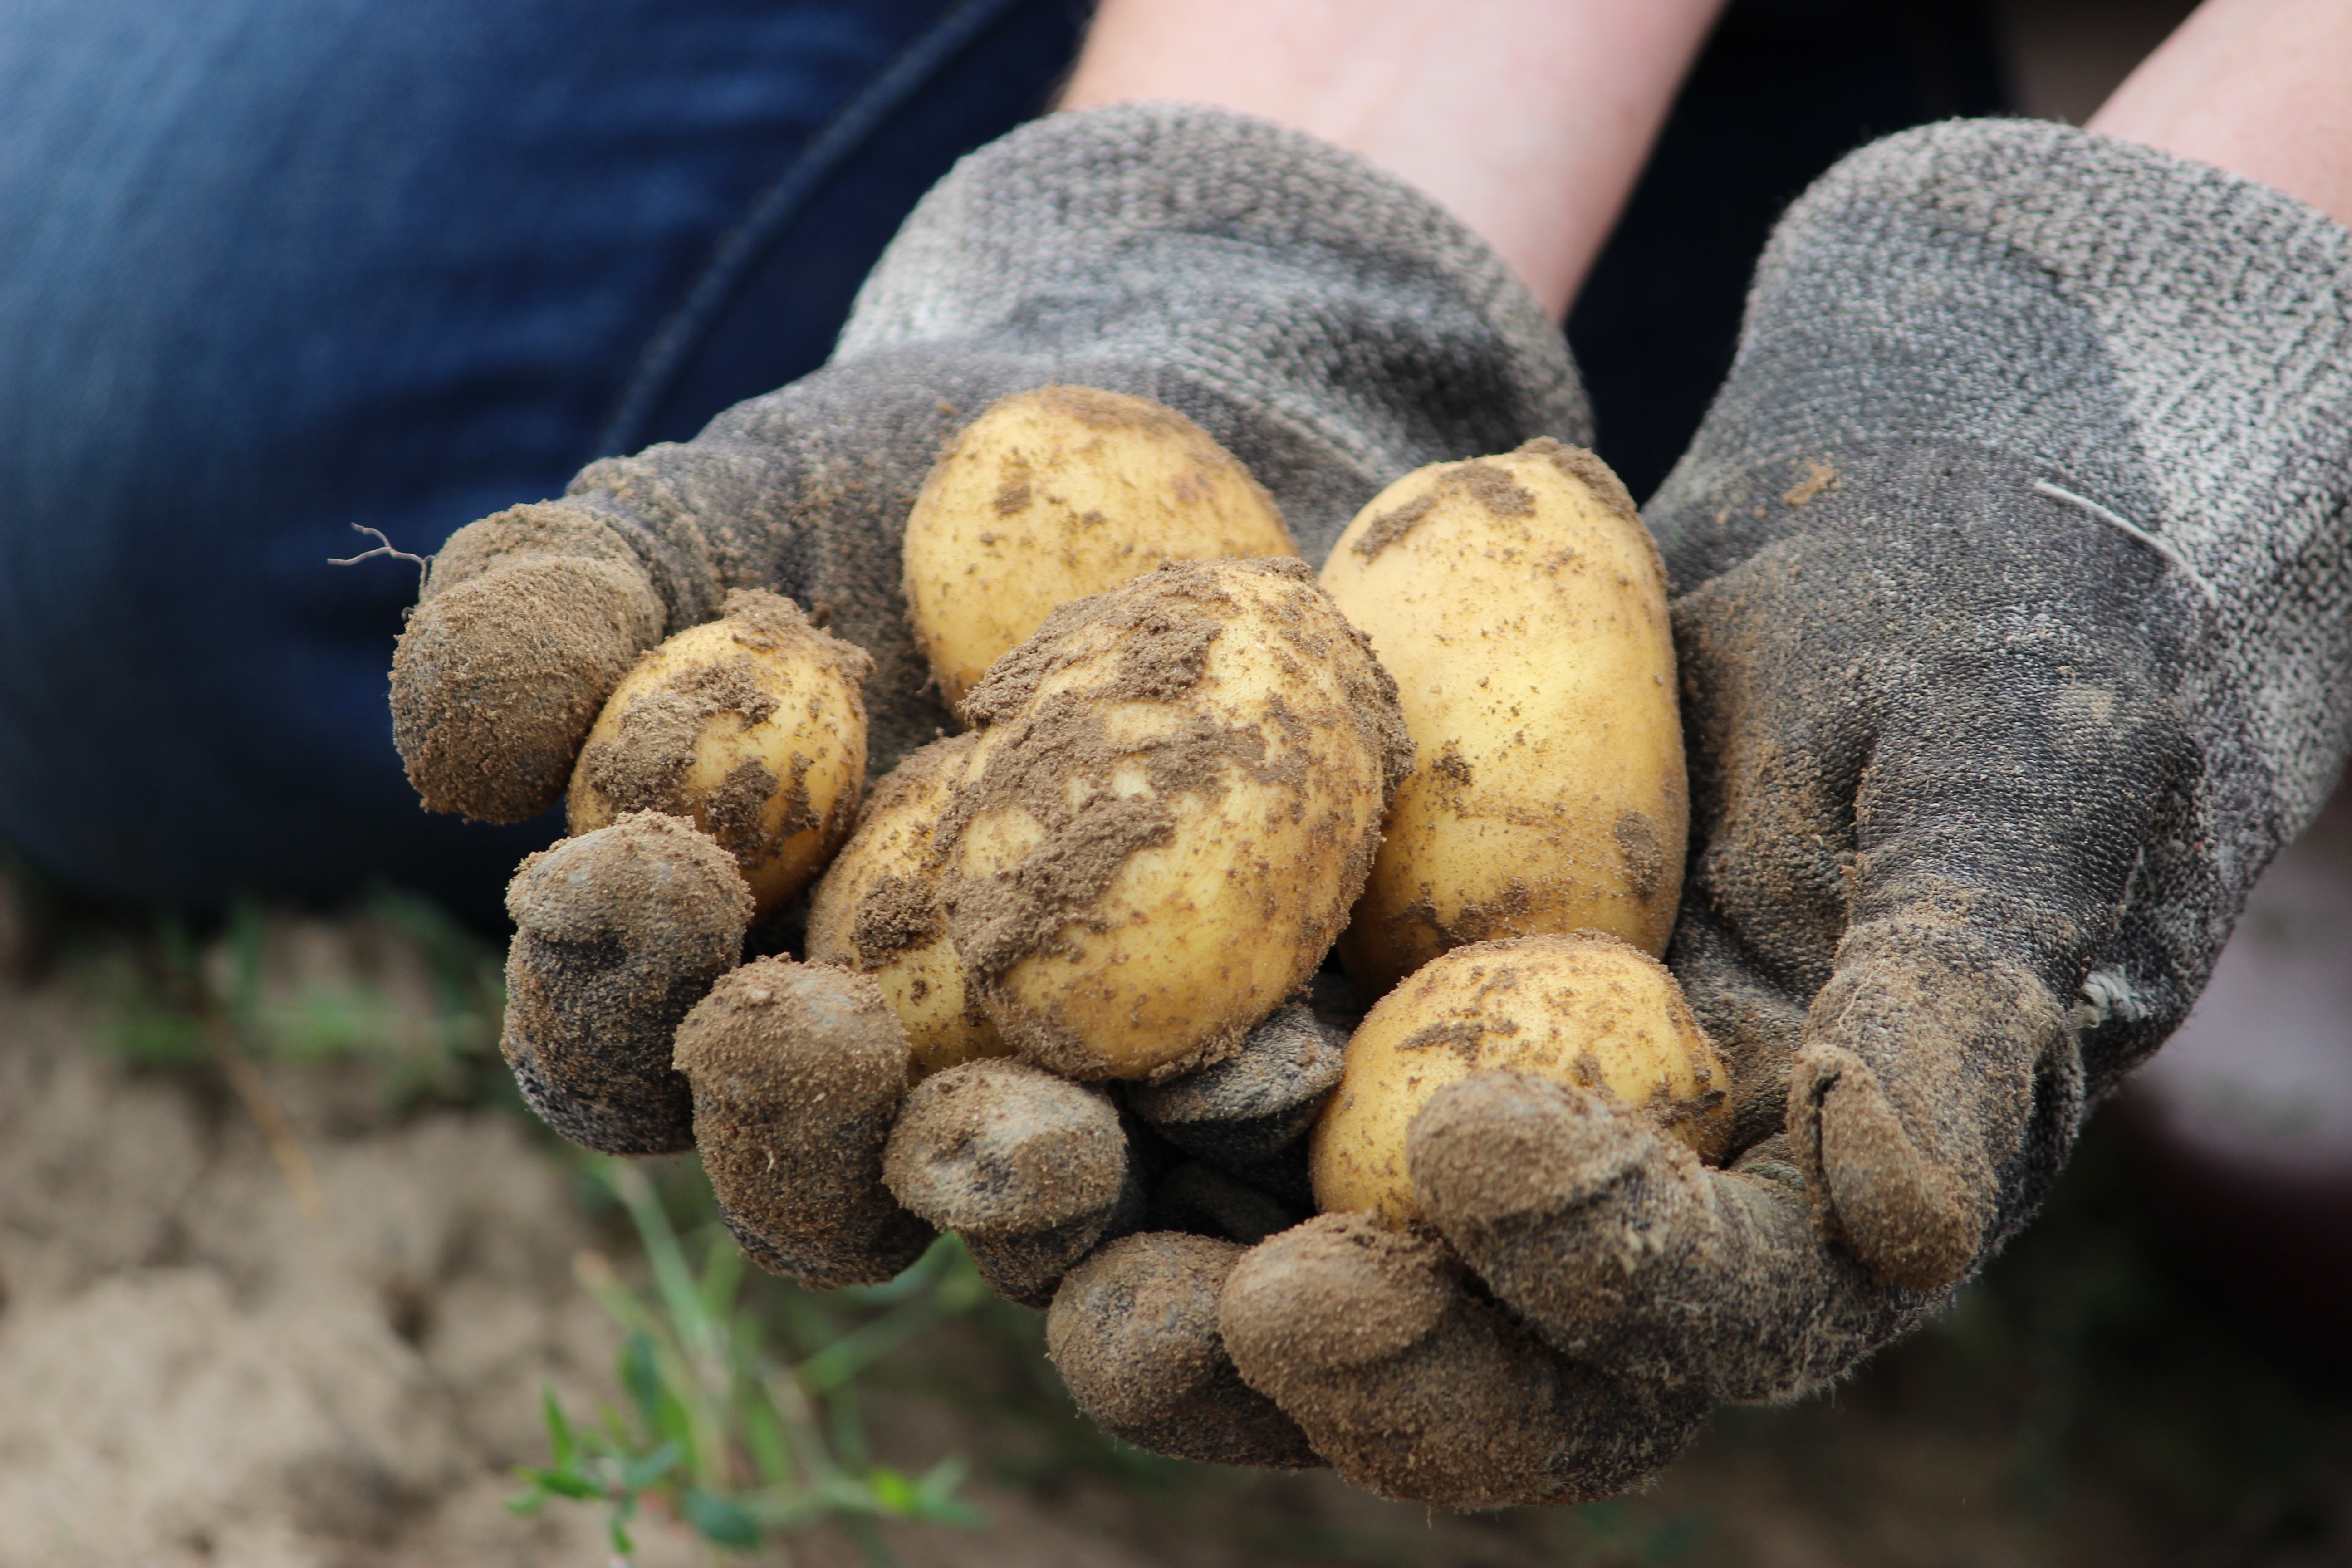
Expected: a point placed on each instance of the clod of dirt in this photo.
(526, 621)
(617, 933)
(798, 1071)
(1133, 1331)
(1031, 1170)
(1412, 1387)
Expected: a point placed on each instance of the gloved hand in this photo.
(2013, 565)
(1331, 327)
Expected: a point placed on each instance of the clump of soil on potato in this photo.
(898, 912)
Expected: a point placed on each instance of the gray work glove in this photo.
(2013, 566)
(1331, 327)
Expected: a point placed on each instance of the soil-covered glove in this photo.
(1331, 327)
(2014, 563)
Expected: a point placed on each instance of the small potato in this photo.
(1168, 812)
(876, 911)
(1584, 1009)
(1520, 603)
(1058, 493)
(753, 725)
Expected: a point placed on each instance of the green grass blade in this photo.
(720, 1520)
(850, 1355)
(560, 1439)
(673, 1281)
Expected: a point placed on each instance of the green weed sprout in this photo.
(171, 995)
(725, 1436)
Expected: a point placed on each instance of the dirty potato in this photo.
(1058, 493)
(876, 911)
(1520, 603)
(1584, 1009)
(753, 725)
(1172, 806)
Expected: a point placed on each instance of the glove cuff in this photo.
(2168, 345)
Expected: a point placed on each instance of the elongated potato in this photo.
(1169, 809)
(1520, 603)
(753, 725)
(1584, 1009)
(876, 911)
(1058, 493)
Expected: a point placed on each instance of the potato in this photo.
(753, 725)
(1058, 493)
(1584, 1009)
(1520, 606)
(876, 911)
(1169, 809)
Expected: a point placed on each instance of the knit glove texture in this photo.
(1333, 328)
(2012, 575)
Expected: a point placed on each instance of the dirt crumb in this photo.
(731, 813)
(896, 913)
(1492, 487)
(1818, 477)
(1461, 1036)
(1585, 467)
(1012, 490)
(1395, 523)
(1486, 482)
(1644, 850)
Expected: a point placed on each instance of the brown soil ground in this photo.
(197, 1368)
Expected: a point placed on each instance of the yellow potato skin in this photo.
(1583, 1008)
(1520, 605)
(1166, 815)
(753, 725)
(1058, 493)
(876, 910)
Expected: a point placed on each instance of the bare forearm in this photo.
(1527, 119)
(2263, 88)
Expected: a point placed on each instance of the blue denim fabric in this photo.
(271, 267)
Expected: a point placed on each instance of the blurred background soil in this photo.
(285, 1270)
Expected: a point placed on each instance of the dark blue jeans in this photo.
(272, 267)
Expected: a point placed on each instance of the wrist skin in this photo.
(2255, 87)
(1528, 120)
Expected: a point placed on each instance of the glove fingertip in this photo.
(1133, 1331)
(504, 666)
(797, 1073)
(1873, 1189)
(617, 934)
(1411, 1387)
